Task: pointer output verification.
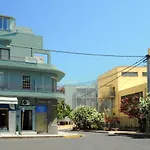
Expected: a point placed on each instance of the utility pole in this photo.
(148, 71)
(148, 81)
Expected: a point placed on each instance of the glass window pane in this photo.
(1, 79)
(144, 74)
(1, 22)
(5, 23)
(4, 54)
(8, 24)
(129, 74)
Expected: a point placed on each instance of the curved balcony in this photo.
(29, 63)
(36, 91)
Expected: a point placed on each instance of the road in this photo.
(91, 141)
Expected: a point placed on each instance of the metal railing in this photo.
(29, 88)
(19, 59)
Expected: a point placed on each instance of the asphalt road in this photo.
(91, 141)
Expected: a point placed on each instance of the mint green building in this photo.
(28, 82)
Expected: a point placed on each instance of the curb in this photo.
(73, 136)
(94, 131)
(30, 137)
(34, 137)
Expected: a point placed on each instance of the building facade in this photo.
(121, 82)
(28, 88)
(81, 95)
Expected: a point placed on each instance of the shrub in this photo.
(87, 118)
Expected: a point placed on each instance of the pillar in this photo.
(52, 117)
(12, 122)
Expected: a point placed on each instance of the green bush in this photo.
(87, 118)
(63, 110)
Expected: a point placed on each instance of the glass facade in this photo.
(4, 23)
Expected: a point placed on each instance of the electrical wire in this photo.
(129, 78)
(79, 53)
(83, 83)
(113, 79)
(122, 69)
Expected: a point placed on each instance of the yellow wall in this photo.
(103, 80)
(123, 86)
(127, 82)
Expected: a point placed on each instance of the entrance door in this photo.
(3, 119)
(26, 120)
(41, 122)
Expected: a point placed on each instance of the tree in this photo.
(86, 118)
(63, 110)
(145, 109)
(131, 106)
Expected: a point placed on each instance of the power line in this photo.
(80, 53)
(122, 69)
(130, 78)
(112, 80)
(92, 81)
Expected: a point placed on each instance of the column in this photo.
(52, 117)
(33, 119)
(12, 122)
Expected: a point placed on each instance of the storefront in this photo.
(8, 114)
(36, 116)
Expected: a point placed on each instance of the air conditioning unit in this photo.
(25, 102)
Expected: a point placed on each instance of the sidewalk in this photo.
(59, 135)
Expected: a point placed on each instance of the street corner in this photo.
(74, 136)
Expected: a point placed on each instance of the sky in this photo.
(120, 27)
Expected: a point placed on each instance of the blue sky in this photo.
(92, 26)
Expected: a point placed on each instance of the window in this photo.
(1, 22)
(1, 78)
(54, 84)
(4, 54)
(4, 23)
(144, 74)
(26, 82)
(129, 74)
(112, 103)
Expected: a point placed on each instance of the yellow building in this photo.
(119, 82)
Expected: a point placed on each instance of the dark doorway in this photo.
(26, 118)
(3, 119)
